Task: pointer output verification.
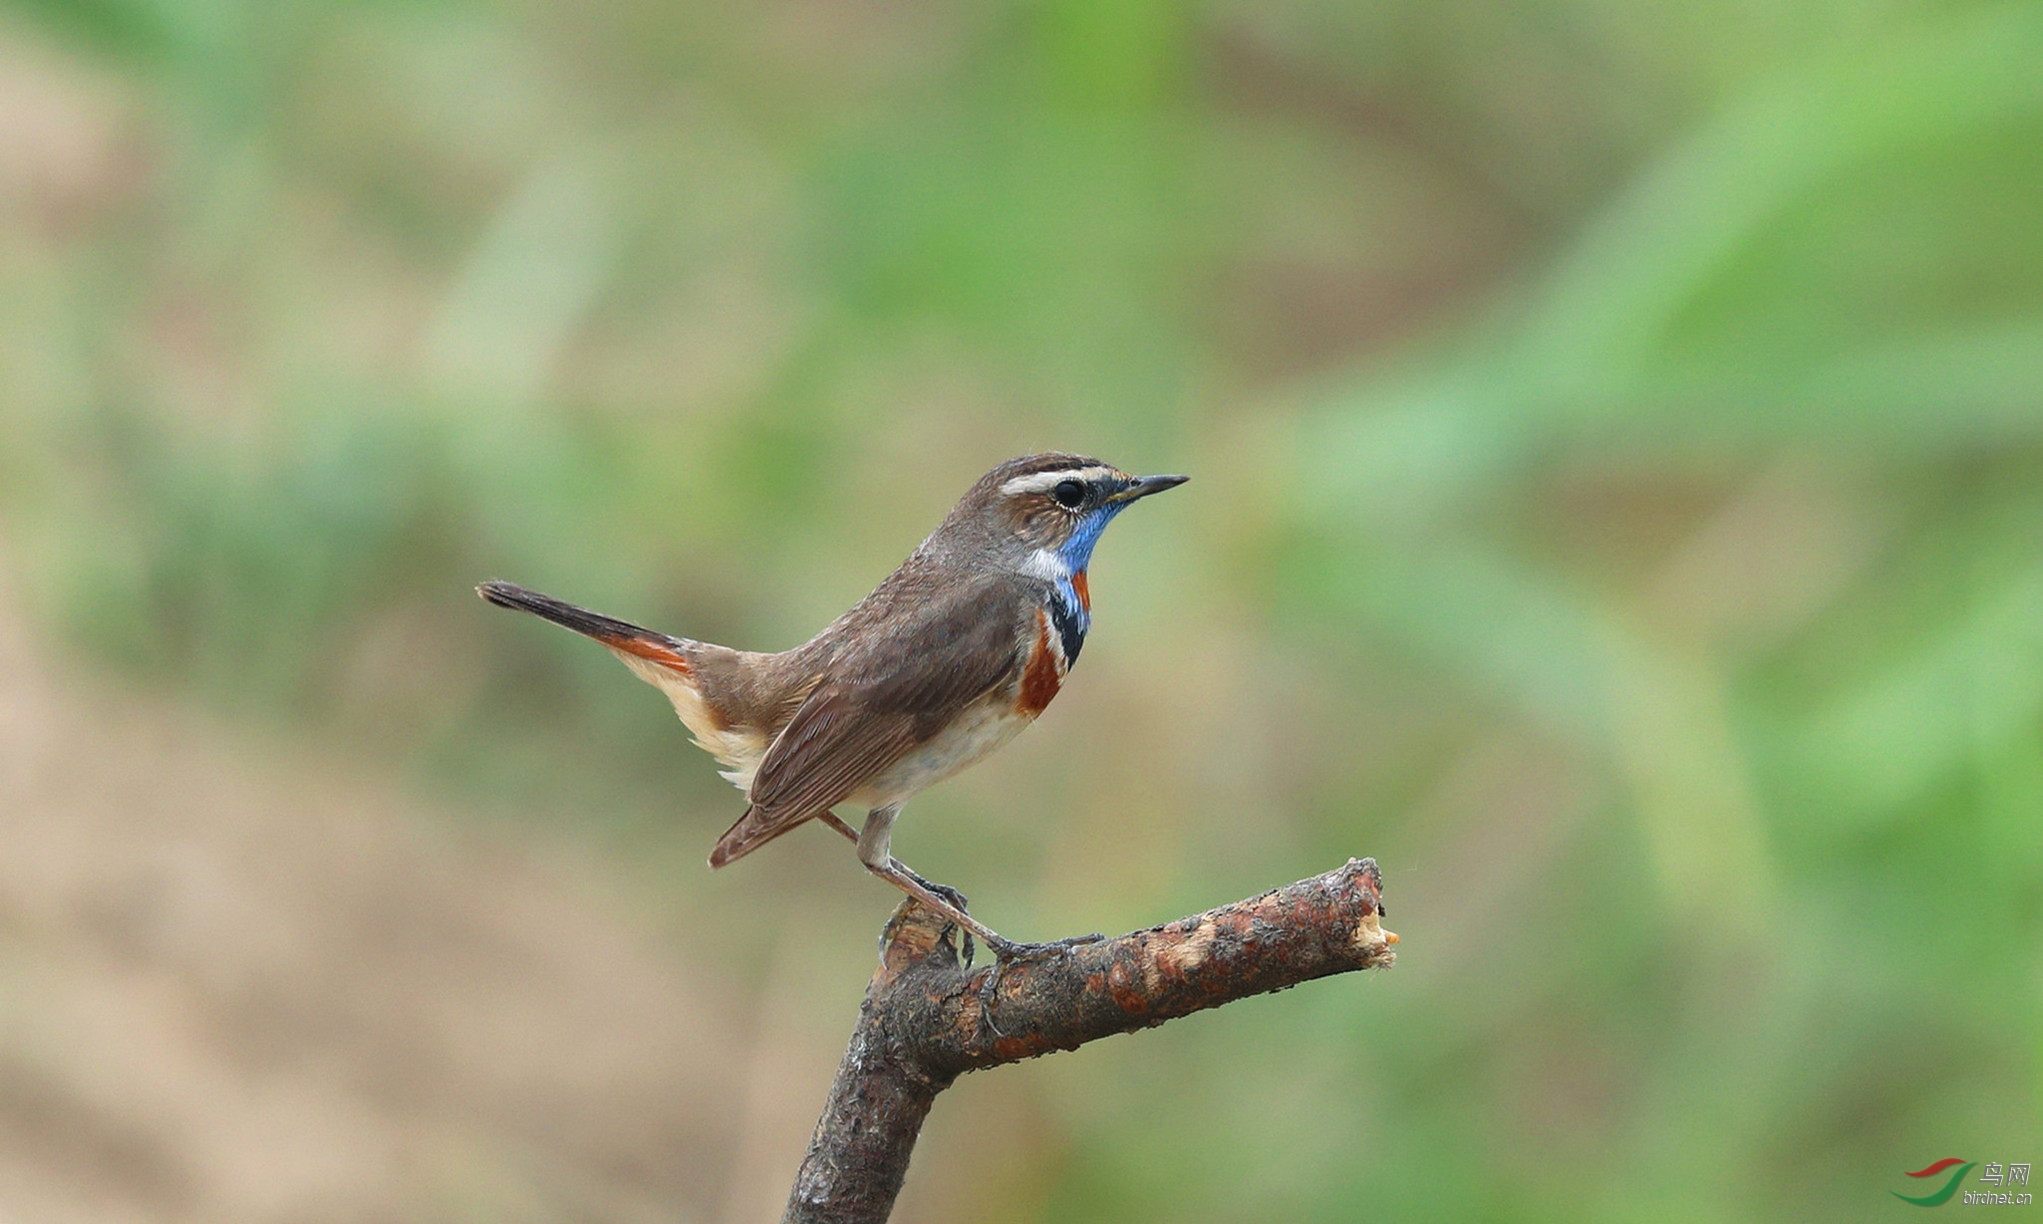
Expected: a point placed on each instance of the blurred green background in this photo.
(1617, 432)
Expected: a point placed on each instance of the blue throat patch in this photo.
(1077, 551)
(1068, 613)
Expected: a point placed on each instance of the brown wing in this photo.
(906, 684)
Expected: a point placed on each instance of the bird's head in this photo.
(1043, 513)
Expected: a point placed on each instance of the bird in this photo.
(950, 657)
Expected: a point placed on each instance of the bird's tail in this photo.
(626, 639)
(669, 665)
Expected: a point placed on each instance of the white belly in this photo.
(974, 734)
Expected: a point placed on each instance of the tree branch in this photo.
(920, 1026)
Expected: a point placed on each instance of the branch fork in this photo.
(922, 1024)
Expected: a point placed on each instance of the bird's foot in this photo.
(1007, 952)
(945, 891)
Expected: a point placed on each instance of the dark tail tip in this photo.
(500, 593)
(522, 599)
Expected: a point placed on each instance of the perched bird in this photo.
(948, 659)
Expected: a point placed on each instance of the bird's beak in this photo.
(1143, 486)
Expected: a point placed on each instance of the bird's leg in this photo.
(945, 891)
(873, 852)
(942, 891)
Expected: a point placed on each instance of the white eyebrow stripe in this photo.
(1043, 482)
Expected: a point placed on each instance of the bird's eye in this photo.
(1068, 494)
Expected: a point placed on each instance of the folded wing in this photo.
(906, 682)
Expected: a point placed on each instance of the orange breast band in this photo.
(1040, 681)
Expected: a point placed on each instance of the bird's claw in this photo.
(952, 895)
(1006, 951)
(948, 893)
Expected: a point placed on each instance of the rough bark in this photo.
(921, 1027)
